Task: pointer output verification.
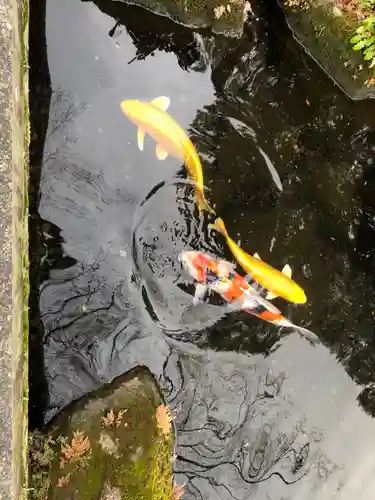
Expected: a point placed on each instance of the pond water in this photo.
(260, 412)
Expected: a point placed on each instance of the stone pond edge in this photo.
(20, 137)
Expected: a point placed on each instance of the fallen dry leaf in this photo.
(119, 417)
(78, 446)
(370, 81)
(178, 491)
(63, 480)
(110, 419)
(219, 11)
(164, 419)
(110, 493)
(108, 444)
(247, 8)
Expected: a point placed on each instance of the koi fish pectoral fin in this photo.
(161, 153)
(287, 270)
(200, 293)
(271, 296)
(140, 138)
(161, 102)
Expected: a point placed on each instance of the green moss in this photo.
(42, 451)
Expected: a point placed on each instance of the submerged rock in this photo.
(324, 28)
(114, 444)
(224, 17)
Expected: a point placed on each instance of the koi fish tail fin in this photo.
(310, 336)
(203, 204)
(219, 226)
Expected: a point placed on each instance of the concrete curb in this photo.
(14, 138)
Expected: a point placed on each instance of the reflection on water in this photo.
(288, 163)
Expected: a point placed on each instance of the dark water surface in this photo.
(260, 412)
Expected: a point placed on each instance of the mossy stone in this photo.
(106, 446)
(225, 17)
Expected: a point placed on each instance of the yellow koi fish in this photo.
(151, 118)
(278, 283)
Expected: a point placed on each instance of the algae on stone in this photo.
(116, 443)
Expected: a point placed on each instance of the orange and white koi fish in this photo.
(151, 118)
(278, 283)
(219, 276)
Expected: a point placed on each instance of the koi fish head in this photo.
(202, 266)
(131, 108)
(196, 264)
(142, 112)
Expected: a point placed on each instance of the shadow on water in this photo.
(40, 94)
(288, 162)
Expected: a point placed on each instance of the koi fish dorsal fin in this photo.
(256, 255)
(140, 138)
(287, 270)
(161, 102)
(161, 153)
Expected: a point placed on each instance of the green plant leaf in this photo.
(369, 55)
(356, 39)
(372, 63)
(359, 45)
